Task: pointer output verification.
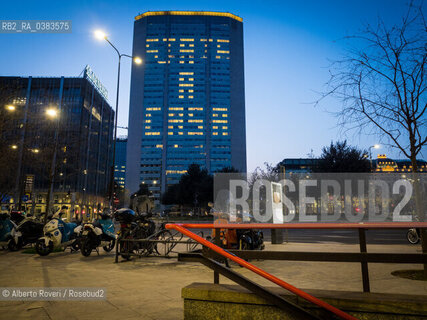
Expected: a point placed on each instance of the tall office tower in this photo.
(187, 102)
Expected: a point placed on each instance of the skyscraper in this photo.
(187, 102)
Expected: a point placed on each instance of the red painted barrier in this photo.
(182, 228)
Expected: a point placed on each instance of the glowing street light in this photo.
(100, 35)
(35, 150)
(51, 112)
(10, 107)
(14, 146)
(137, 60)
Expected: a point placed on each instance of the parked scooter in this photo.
(6, 227)
(26, 232)
(100, 233)
(58, 234)
(413, 235)
(250, 239)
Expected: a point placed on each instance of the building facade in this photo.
(187, 101)
(76, 111)
(120, 162)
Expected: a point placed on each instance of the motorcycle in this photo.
(250, 239)
(26, 232)
(6, 228)
(98, 234)
(58, 234)
(133, 227)
(413, 235)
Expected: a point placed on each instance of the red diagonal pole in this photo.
(262, 273)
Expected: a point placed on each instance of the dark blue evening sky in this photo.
(287, 47)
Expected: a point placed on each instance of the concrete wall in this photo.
(211, 301)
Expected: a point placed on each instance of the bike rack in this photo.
(226, 254)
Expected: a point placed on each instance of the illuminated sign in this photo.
(90, 75)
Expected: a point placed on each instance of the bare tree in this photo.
(381, 82)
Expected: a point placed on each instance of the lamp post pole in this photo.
(375, 146)
(138, 61)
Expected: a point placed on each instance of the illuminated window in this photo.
(156, 57)
(223, 51)
(190, 90)
(191, 45)
(195, 121)
(186, 50)
(147, 127)
(190, 79)
(218, 57)
(152, 51)
(171, 114)
(218, 46)
(191, 62)
(190, 114)
(219, 121)
(181, 79)
(215, 115)
(182, 45)
(181, 97)
(186, 85)
(199, 127)
(215, 127)
(180, 133)
(195, 108)
(186, 40)
(181, 90)
(170, 133)
(170, 127)
(147, 121)
(153, 109)
(148, 114)
(175, 146)
(180, 114)
(225, 115)
(225, 133)
(159, 146)
(152, 133)
(147, 45)
(219, 109)
(195, 133)
(224, 128)
(171, 39)
(176, 108)
(222, 40)
(190, 97)
(152, 40)
(180, 127)
(203, 40)
(175, 120)
(161, 62)
(181, 62)
(215, 133)
(186, 73)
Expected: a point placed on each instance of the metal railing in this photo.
(363, 257)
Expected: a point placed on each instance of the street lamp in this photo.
(100, 35)
(375, 146)
(10, 107)
(14, 146)
(51, 112)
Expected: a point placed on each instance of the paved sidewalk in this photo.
(150, 288)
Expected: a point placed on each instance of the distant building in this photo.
(187, 101)
(381, 164)
(384, 164)
(298, 165)
(120, 162)
(85, 134)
